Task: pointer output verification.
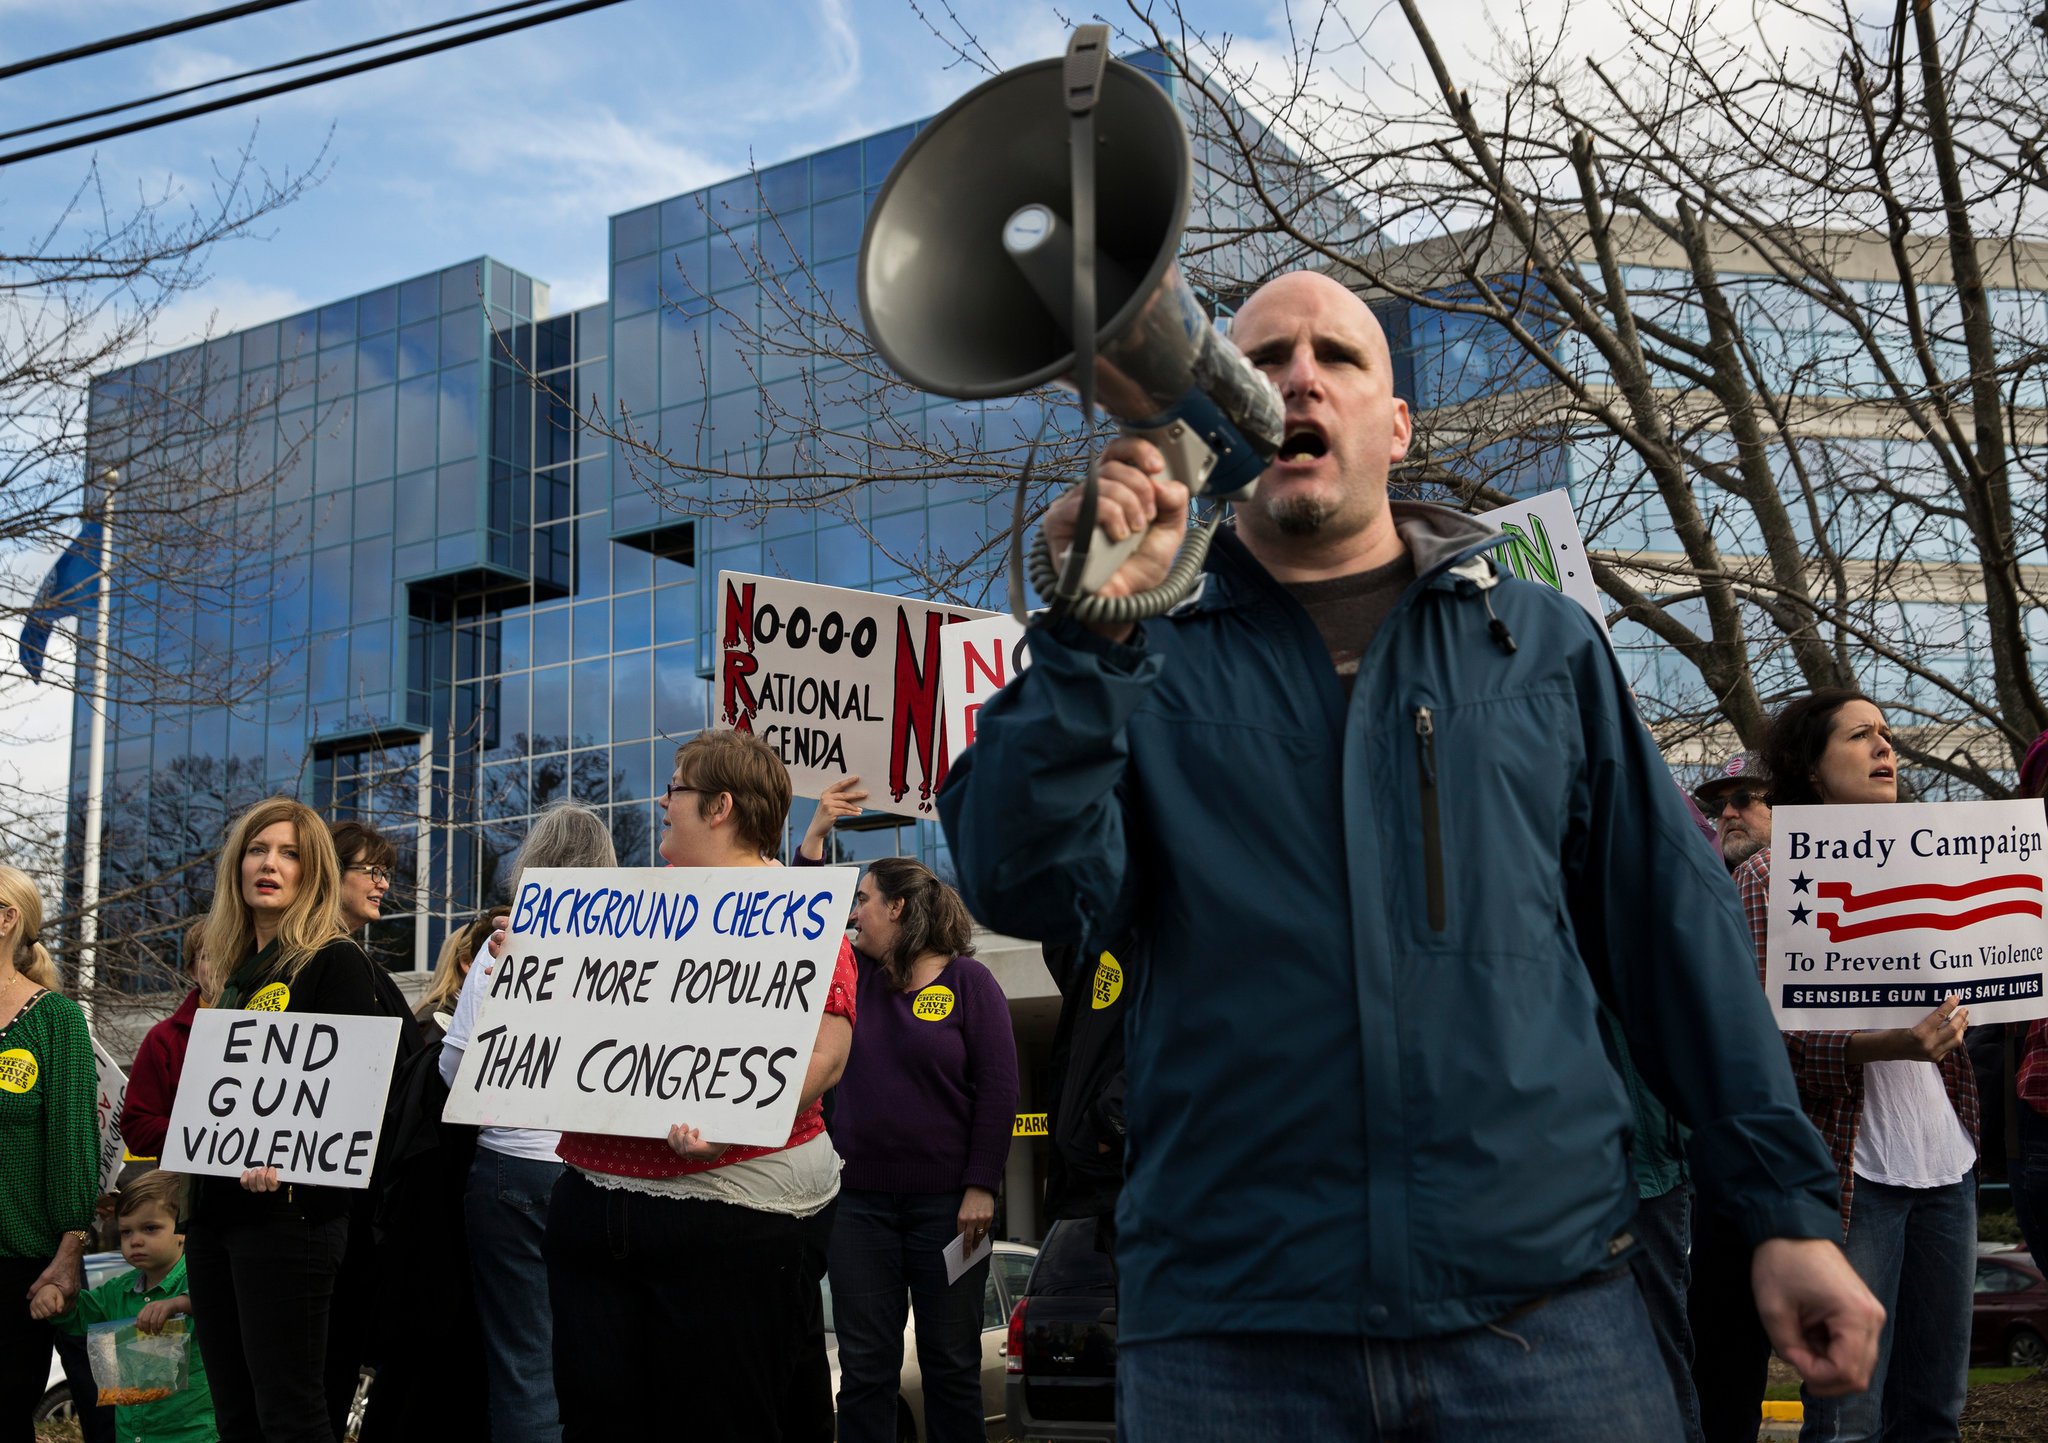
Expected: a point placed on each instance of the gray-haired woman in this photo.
(506, 1205)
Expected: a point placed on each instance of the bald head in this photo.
(1323, 501)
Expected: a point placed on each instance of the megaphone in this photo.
(966, 276)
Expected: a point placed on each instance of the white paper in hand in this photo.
(959, 1260)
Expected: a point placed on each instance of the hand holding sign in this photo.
(844, 798)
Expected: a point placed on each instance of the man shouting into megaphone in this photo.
(1386, 831)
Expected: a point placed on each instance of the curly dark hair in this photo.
(934, 918)
(1797, 736)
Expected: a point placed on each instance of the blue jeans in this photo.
(885, 1261)
(506, 1208)
(1916, 1249)
(1577, 1367)
(1663, 1271)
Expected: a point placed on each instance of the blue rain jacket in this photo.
(1367, 1092)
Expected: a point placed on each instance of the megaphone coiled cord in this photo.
(1181, 579)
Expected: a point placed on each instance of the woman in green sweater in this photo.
(262, 1257)
(49, 1148)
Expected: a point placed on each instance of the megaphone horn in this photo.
(966, 276)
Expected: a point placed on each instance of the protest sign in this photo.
(977, 659)
(113, 1092)
(837, 682)
(1877, 913)
(1544, 545)
(302, 1092)
(629, 1000)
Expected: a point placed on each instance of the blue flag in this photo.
(66, 592)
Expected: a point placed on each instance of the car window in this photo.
(992, 1304)
(1997, 1278)
(1074, 1260)
(1016, 1268)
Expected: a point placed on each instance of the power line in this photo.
(285, 87)
(313, 59)
(137, 37)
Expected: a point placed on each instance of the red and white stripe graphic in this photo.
(1926, 906)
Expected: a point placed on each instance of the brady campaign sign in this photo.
(1878, 913)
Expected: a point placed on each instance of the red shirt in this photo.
(653, 1157)
(153, 1080)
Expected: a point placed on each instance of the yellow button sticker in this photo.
(275, 998)
(1108, 984)
(18, 1070)
(934, 1004)
(1029, 1124)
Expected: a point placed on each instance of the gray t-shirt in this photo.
(1348, 610)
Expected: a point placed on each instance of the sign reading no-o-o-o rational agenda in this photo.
(629, 1000)
(302, 1092)
(838, 682)
(1878, 913)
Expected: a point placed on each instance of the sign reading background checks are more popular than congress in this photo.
(838, 682)
(1877, 913)
(302, 1092)
(632, 999)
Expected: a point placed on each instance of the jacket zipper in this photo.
(1432, 827)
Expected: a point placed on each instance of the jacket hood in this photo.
(187, 1010)
(1438, 537)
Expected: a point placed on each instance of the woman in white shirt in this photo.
(513, 1178)
(1898, 1108)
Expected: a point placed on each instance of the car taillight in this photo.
(1013, 1351)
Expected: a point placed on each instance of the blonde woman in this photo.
(451, 969)
(49, 1148)
(262, 1258)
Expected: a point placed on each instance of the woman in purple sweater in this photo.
(922, 1118)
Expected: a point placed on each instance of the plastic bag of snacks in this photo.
(133, 1367)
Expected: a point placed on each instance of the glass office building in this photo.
(476, 540)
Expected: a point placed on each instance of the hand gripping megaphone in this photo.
(969, 275)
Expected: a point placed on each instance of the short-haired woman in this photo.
(49, 1148)
(263, 1258)
(675, 1263)
(923, 1118)
(512, 1181)
(160, 1062)
(1897, 1107)
(368, 859)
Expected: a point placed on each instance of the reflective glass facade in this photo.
(466, 603)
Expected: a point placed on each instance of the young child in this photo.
(152, 1295)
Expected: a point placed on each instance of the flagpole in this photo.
(96, 760)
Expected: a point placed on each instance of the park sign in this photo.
(1878, 913)
(628, 1000)
(839, 683)
(302, 1092)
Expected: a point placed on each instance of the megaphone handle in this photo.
(1104, 557)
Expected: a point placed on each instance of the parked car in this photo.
(1007, 1270)
(56, 1399)
(2009, 1321)
(1061, 1350)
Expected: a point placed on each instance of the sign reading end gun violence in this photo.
(629, 1000)
(302, 1092)
(1878, 913)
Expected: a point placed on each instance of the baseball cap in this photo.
(1740, 769)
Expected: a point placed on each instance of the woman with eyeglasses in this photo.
(675, 1264)
(49, 1148)
(512, 1181)
(367, 861)
(263, 1257)
(1898, 1109)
